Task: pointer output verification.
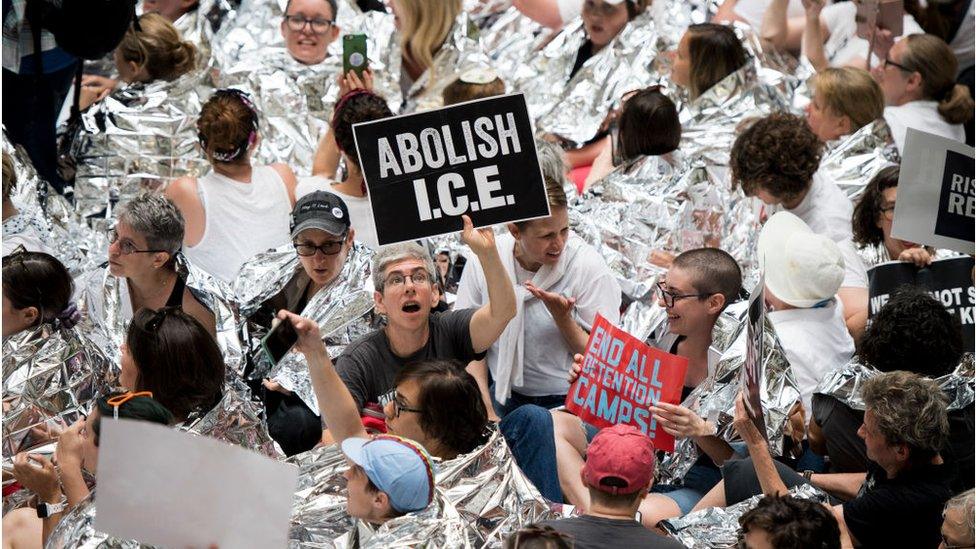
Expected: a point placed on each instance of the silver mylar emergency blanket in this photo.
(66, 234)
(845, 384)
(102, 298)
(485, 487)
(714, 398)
(342, 311)
(854, 160)
(295, 101)
(235, 419)
(140, 137)
(718, 527)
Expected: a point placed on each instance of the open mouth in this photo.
(410, 307)
(307, 43)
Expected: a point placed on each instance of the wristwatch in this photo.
(45, 510)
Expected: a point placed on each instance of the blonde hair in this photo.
(424, 26)
(158, 47)
(931, 57)
(850, 92)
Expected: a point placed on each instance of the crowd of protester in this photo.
(449, 342)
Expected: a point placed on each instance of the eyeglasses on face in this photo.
(398, 404)
(670, 297)
(397, 280)
(319, 26)
(306, 249)
(126, 246)
(888, 61)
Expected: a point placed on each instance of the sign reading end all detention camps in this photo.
(423, 171)
(936, 203)
(621, 378)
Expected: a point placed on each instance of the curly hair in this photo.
(453, 412)
(908, 409)
(793, 523)
(913, 332)
(778, 154)
(868, 208)
(353, 109)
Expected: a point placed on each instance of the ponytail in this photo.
(956, 106)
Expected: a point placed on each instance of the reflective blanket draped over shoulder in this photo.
(486, 489)
(854, 160)
(102, 300)
(140, 137)
(67, 235)
(718, 527)
(714, 398)
(342, 311)
(845, 384)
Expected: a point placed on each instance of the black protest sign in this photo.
(752, 369)
(424, 170)
(949, 281)
(957, 203)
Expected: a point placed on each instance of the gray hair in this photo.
(157, 218)
(394, 253)
(551, 162)
(909, 409)
(964, 502)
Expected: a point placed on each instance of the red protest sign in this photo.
(621, 378)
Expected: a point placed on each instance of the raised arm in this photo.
(779, 31)
(762, 460)
(813, 41)
(336, 404)
(489, 321)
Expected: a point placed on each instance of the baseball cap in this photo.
(801, 268)
(397, 466)
(619, 460)
(320, 210)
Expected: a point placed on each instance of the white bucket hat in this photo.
(802, 268)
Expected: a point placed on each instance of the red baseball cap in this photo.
(619, 460)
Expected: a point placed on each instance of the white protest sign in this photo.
(161, 486)
(936, 203)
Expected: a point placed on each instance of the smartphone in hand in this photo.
(279, 341)
(354, 54)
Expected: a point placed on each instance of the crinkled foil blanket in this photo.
(480, 498)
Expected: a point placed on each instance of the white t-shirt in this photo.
(752, 11)
(360, 214)
(546, 358)
(921, 115)
(816, 342)
(843, 45)
(828, 211)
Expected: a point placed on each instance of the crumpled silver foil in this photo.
(69, 238)
(845, 384)
(486, 488)
(342, 311)
(718, 527)
(138, 138)
(50, 376)
(237, 420)
(854, 160)
(714, 398)
(295, 101)
(101, 295)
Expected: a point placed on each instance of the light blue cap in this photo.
(400, 468)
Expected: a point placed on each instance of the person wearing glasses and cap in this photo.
(61, 487)
(321, 266)
(618, 473)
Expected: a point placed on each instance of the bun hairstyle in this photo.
(355, 107)
(228, 125)
(931, 57)
(154, 44)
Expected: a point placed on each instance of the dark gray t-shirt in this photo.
(368, 366)
(588, 532)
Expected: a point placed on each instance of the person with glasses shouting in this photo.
(403, 278)
(144, 268)
(308, 28)
(322, 266)
(432, 401)
(693, 294)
